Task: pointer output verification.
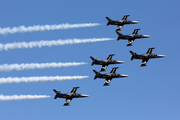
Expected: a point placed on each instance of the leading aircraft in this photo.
(145, 57)
(68, 96)
(106, 62)
(131, 37)
(120, 23)
(109, 76)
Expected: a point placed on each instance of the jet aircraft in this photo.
(131, 37)
(106, 62)
(145, 57)
(109, 76)
(69, 96)
(120, 23)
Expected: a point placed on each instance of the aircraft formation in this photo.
(105, 63)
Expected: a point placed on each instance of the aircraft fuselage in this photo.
(71, 95)
(107, 62)
(143, 56)
(111, 75)
(122, 22)
(132, 36)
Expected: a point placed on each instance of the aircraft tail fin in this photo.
(94, 60)
(96, 72)
(109, 19)
(57, 92)
(55, 97)
(120, 34)
(133, 54)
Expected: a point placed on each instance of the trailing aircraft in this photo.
(68, 96)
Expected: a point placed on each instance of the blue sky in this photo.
(150, 92)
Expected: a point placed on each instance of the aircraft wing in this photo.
(130, 41)
(110, 57)
(144, 61)
(119, 27)
(107, 81)
(125, 17)
(149, 50)
(135, 31)
(74, 89)
(68, 100)
(114, 70)
(104, 67)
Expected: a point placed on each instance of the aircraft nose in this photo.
(123, 75)
(134, 22)
(161, 56)
(119, 62)
(85, 95)
(147, 36)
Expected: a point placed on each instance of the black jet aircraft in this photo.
(120, 23)
(145, 57)
(69, 96)
(131, 37)
(106, 62)
(109, 76)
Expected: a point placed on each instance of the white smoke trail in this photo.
(22, 29)
(21, 97)
(23, 66)
(38, 79)
(20, 45)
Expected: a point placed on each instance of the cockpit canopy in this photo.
(78, 94)
(112, 60)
